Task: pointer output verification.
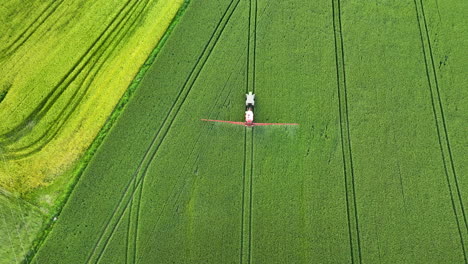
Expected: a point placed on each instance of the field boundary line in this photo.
(348, 169)
(441, 127)
(167, 123)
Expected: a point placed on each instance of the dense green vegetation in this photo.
(375, 172)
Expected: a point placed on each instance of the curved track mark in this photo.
(45, 105)
(30, 30)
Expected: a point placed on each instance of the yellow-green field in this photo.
(64, 66)
(63, 69)
(375, 172)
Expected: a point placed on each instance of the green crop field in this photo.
(376, 171)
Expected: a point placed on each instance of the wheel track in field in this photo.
(10, 135)
(129, 228)
(159, 137)
(30, 29)
(247, 175)
(252, 145)
(84, 84)
(81, 63)
(245, 255)
(141, 186)
(93, 58)
(206, 135)
(241, 254)
(441, 127)
(251, 194)
(135, 237)
(348, 169)
(73, 102)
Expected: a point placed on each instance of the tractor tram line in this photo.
(247, 179)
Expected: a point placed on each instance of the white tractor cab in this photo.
(249, 107)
